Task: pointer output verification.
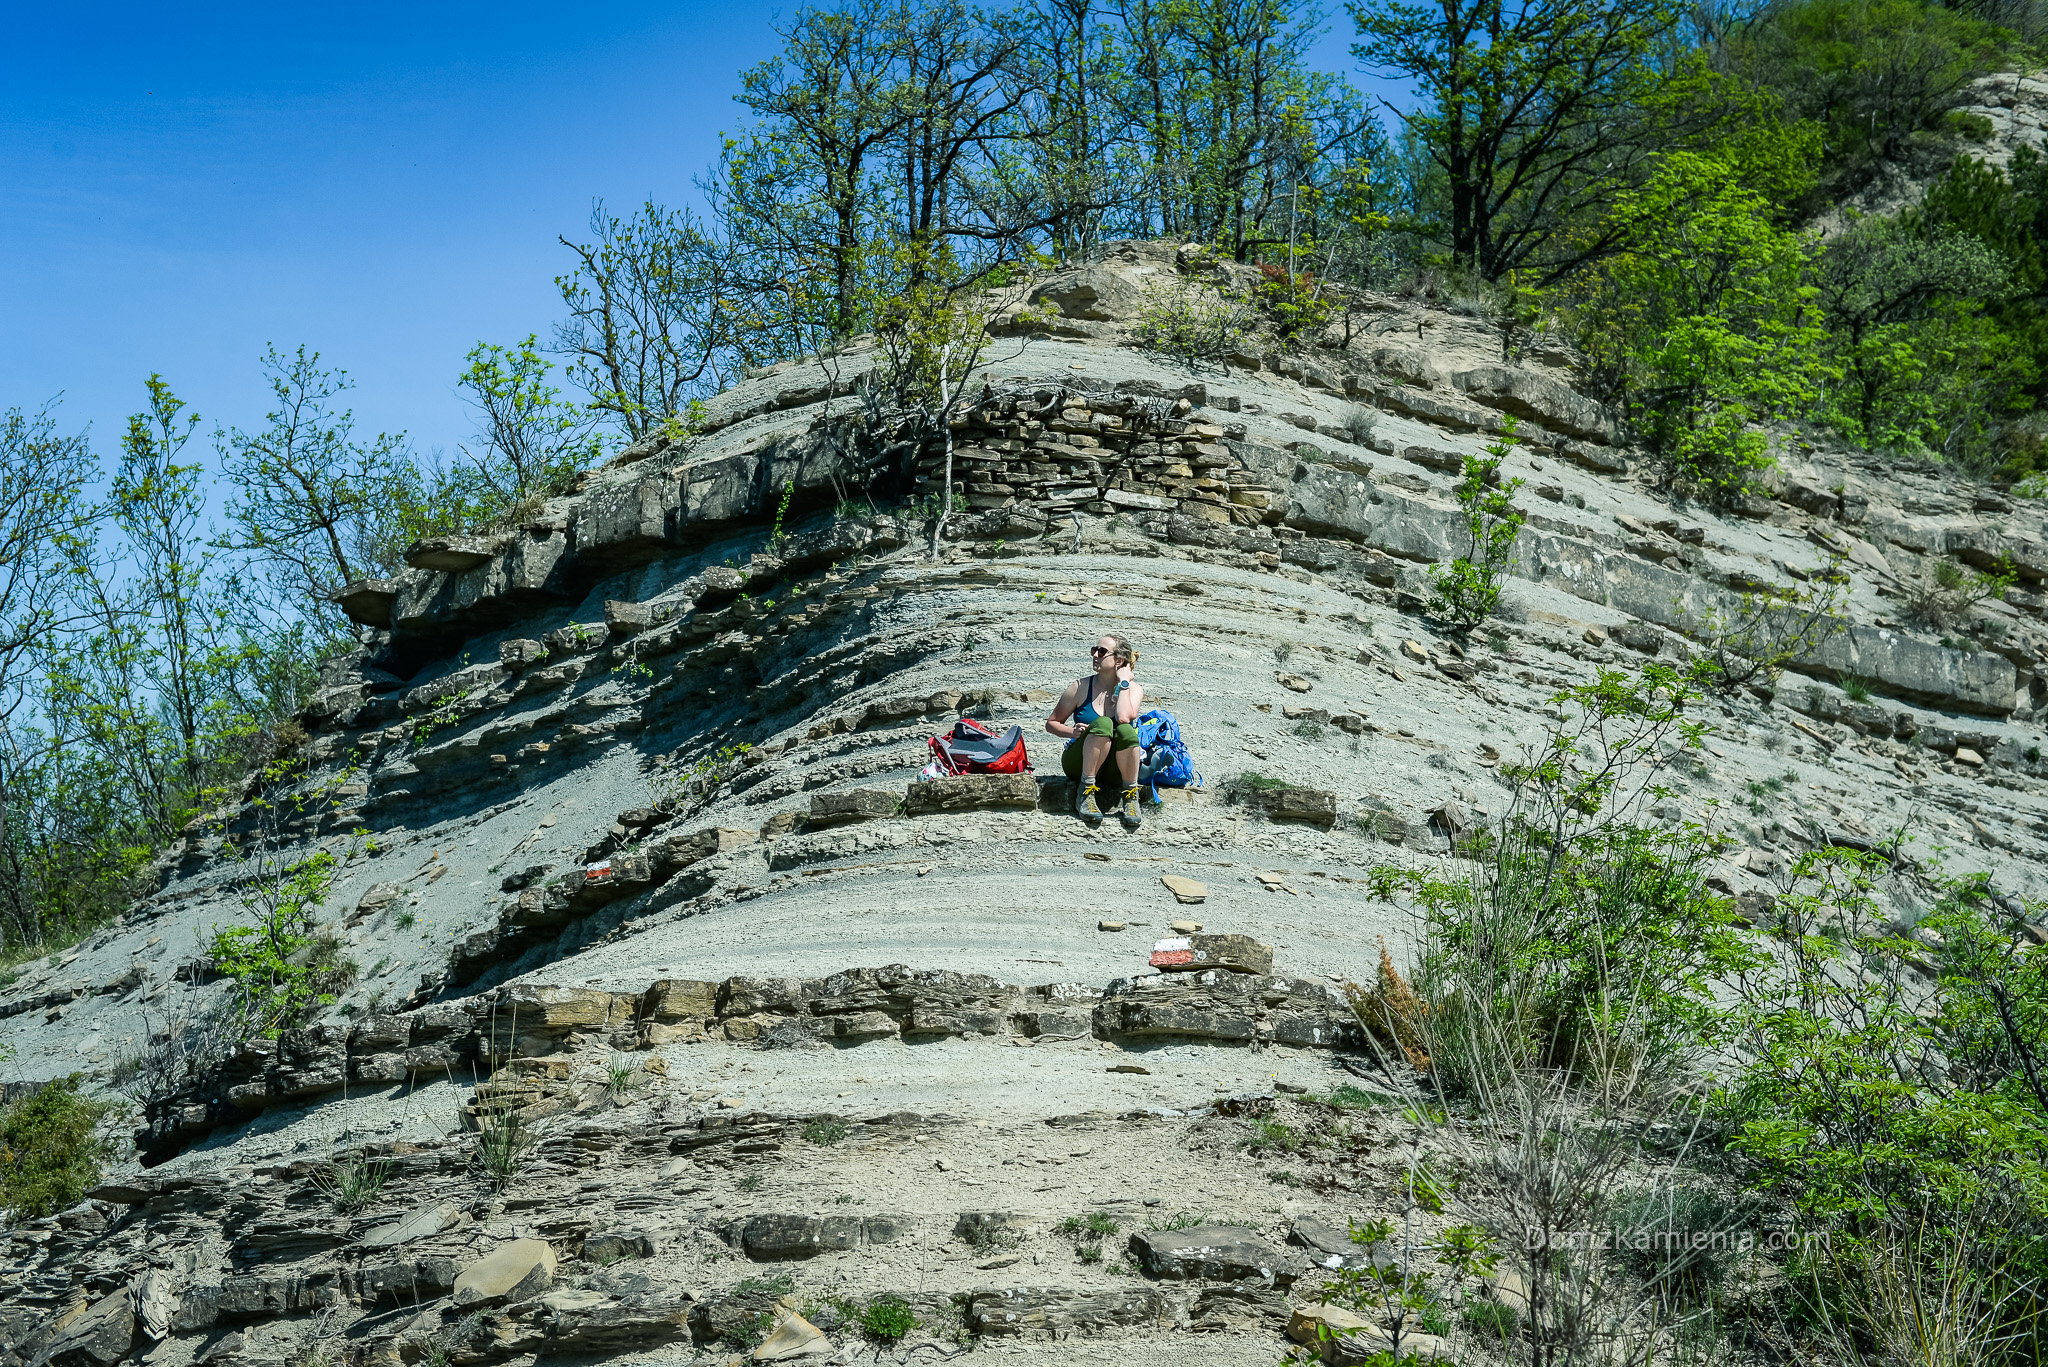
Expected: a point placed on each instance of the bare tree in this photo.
(311, 495)
(652, 315)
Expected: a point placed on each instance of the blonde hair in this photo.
(1125, 649)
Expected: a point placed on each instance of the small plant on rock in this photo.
(1769, 628)
(1950, 593)
(887, 1318)
(353, 1180)
(1246, 787)
(826, 1131)
(622, 1078)
(1467, 592)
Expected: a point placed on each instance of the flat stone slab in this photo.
(517, 1271)
(970, 792)
(422, 1223)
(1238, 953)
(1310, 805)
(859, 804)
(450, 554)
(1217, 1253)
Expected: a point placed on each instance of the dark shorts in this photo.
(1122, 736)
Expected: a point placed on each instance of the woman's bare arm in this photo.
(1057, 724)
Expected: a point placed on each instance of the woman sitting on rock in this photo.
(1097, 714)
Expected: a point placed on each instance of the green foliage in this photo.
(353, 1180)
(887, 1318)
(1578, 932)
(1295, 300)
(283, 970)
(1390, 1292)
(826, 1131)
(654, 318)
(1875, 76)
(1922, 366)
(693, 784)
(1767, 629)
(1274, 1136)
(1193, 323)
(1704, 325)
(530, 442)
(1245, 787)
(1951, 592)
(1094, 1226)
(1887, 1080)
(776, 536)
(49, 1157)
(1516, 115)
(2007, 211)
(1467, 591)
(314, 505)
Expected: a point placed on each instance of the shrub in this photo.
(887, 1318)
(1704, 326)
(1192, 324)
(49, 1155)
(1949, 593)
(1466, 592)
(1769, 628)
(1294, 300)
(353, 1180)
(1096, 1224)
(827, 1130)
(1270, 1136)
(1248, 785)
(1580, 940)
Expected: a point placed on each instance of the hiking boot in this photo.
(1083, 808)
(1130, 809)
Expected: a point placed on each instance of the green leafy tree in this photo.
(1876, 76)
(1467, 591)
(2007, 211)
(530, 441)
(1525, 112)
(49, 1155)
(1920, 364)
(312, 501)
(1705, 326)
(285, 970)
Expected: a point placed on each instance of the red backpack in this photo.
(972, 748)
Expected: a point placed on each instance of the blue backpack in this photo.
(1167, 761)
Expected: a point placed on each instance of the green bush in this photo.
(49, 1157)
(1246, 787)
(826, 1130)
(887, 1318)
(1193, 324)
(1579, 931)
(1467, 591)
(1704, 327)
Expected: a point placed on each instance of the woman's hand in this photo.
(1123, 673)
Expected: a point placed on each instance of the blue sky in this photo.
(385, 183)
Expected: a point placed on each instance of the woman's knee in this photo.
(1102, 726)
(1126, 737)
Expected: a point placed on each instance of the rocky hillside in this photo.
(628, 841)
